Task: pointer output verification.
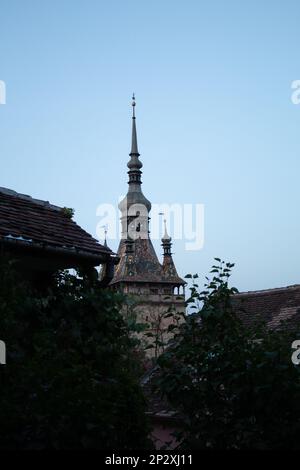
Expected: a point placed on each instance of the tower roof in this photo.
(168, 266)
(140, 263)
(140, 266)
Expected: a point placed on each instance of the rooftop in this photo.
(33, 222)
(270, 305)
(143, 266)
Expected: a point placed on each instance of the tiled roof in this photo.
(169, 270)
(271, 306)
(143, 265)
(33, 221)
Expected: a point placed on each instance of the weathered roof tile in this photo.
(43, 223)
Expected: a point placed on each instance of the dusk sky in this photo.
(215, 120)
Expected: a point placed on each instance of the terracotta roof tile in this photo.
(271, 306)
(43, 223)
(143, 265)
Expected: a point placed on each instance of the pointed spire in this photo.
(166, 236)
(134, 163)
(134, 145)
(135, 196)
(105, 234)
(105, 237)
(166, 241)
(168, 265)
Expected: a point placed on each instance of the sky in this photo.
(215, 120)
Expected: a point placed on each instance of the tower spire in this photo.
(105, 237)
(134, 163)
(169, 269)
(135, 207)
(134, 145)
(166, 241)
(166, 236)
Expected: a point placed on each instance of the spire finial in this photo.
(133, 104)
(134, 146)
(105, 234)
(166, 236)
(166, 242)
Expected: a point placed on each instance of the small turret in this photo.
(169, 269)
(166, 241)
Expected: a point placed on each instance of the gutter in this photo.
(35, 246)
(107, 257)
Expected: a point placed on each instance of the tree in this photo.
(234, 386)
(160, 326)
(71, 380)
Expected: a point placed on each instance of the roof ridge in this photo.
(267, 291)
(26, 197)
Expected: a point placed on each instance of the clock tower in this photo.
(156, 286)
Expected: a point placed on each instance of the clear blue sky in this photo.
(216, 124)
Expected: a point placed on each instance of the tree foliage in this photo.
(234, 386)
(70, 381)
